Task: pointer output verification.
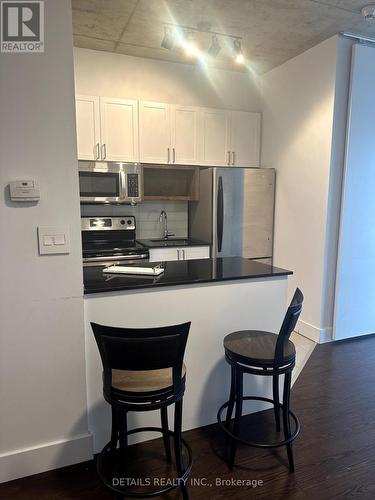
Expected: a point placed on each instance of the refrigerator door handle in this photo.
(220, 214)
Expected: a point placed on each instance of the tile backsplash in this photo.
(147, 216)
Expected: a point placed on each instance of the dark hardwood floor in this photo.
(334, 398)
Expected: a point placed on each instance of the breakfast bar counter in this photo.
(186, 272)
(218, 296)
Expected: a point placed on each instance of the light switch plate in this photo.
(53, 240)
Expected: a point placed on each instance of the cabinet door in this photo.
(119, 129)
(88, 127)
(215, 137)
(245, 139)
(163, 254)
(185, 134)
(154, 132)
(192, 253)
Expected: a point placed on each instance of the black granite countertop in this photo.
(173, 242)
(186, 272)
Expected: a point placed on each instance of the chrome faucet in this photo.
(164, 218)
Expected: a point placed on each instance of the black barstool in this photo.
(262, 353)
(143, 370)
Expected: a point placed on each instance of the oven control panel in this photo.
(125, 223)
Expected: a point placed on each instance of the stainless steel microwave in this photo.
(110, 182)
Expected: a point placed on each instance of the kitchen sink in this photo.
(172, 241)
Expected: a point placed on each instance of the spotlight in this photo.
(168, 39)
(238, 54)
(190, 47)
(368, 12)
(240, 59)
(215, 47)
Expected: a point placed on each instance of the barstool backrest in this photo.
(141, 349)
(289, 323)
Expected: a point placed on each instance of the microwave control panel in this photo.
(133, 185)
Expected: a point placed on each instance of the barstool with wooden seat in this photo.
(266, 354)
(143, 370)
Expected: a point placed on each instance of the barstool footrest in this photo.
(123, 491)
(256, 444)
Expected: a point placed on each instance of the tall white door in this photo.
(154, 132)
(185, 133)
(88, 127)
(354, 313)
(215, 137)
(245, 139)
(119, 129)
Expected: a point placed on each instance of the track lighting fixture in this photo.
(184, 37)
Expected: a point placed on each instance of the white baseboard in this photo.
(48, 456)
(318, 335)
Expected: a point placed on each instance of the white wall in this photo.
(43, 420)
(300, 106)
(117, 75)
(355, 292)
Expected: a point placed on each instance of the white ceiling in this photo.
(273, 31)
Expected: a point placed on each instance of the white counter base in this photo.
(214, 310)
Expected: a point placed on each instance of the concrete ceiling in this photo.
(273, 31)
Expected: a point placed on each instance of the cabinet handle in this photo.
(104, 152)
(169, 156)
(234, 158)
(228, 162)
(183, 254)
(97, 151)
(174, 155)
(178, 254)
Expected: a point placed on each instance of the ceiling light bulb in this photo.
(240, 58)
(238, 54)
(168, 39)
(191, 50)
(215, 47)
(190, 47)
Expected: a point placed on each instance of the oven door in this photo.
(100, 187)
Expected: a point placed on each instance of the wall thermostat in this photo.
(24, 191)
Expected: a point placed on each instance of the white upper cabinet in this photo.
(169, 133)
(154, 132)
(88, 127)
(245, 139)
(107, 128)
(215, 126)
(119, 129)
(185, 135)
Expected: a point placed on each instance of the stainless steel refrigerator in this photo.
(235, 212)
